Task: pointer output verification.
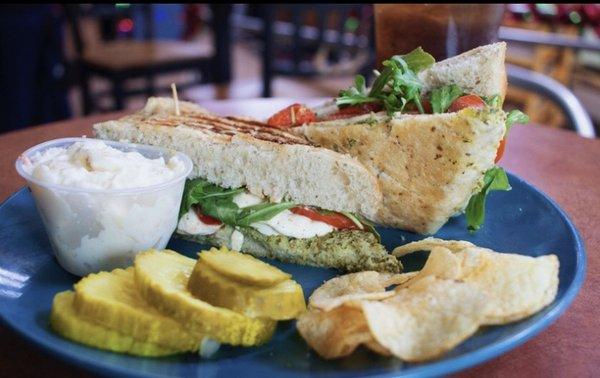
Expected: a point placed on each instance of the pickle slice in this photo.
(67, 323)
(283, 301)
(243, 268)
(162, 276)
(111, 299)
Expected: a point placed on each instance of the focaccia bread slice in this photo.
(480, 71)
(234, 152)
(428, 166)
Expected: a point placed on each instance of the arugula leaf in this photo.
(443, 97)
(493, 101)
(261, 212)
(223, 209)
(495, 179)
(354, 219)
(218, 203)
(199, 190)
(418, 60)
(355, 95)
(383, 78)
(395, 86)
(348, 98)
(370, 227)
(515, 116)
(360, 84)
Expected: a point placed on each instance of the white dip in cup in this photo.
(102, 202)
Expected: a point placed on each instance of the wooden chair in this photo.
(301, 46)
(122, 60)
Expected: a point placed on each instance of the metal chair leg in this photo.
(118, 95)
(150, 89)
(222, 41)
(579, 119)
(88, 106)
(267, 56)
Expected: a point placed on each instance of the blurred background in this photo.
(64, 61)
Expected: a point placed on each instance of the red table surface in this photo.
(560, 163)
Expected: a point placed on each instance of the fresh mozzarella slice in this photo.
(192, 225)
(292, 225)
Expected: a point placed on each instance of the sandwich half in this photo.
(430, 132)
(428, 166)
(264, 191)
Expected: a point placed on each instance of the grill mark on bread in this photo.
(229, 126)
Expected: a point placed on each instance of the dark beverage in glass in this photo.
(443, 30)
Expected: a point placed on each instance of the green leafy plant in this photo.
(515, 116)
(217, 202)
(395, 86)
(443, 97)
(261, 212)
(494, 101)
(494, 179)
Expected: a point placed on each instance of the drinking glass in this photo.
(443, 30)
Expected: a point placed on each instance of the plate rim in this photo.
(452, 365)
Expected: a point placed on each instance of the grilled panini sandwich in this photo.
(430, 133)
(264, 191)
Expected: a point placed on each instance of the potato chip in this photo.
(378, 348)
(428, 244)
(441, 263)
(355, 287)
(518, 286)
(328, 304)
(336, 333)
(427, 318)
(460, 288)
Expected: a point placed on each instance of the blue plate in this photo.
(522, 220)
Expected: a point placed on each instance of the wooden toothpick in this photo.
(175, 98)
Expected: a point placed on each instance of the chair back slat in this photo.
(325, 32)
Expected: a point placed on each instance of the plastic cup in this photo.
(443, 30)
(91, 230)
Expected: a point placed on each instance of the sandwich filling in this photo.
(207, 208)
(285, 230)
(285, 223)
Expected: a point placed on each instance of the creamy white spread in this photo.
(285, 223)
(95, 165)
(93, 231)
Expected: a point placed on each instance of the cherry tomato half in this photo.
(206, 219)
(293, 115)
(354, 110)
(500, 151)
(468, 101)
(337, 220)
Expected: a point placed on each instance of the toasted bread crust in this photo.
(480, 71)
(236, 152)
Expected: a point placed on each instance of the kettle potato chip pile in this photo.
(461, 288)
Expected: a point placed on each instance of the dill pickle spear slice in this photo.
(162, 276)
(243, 268)
(112, 300)
(67, 323)
(283, 301)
